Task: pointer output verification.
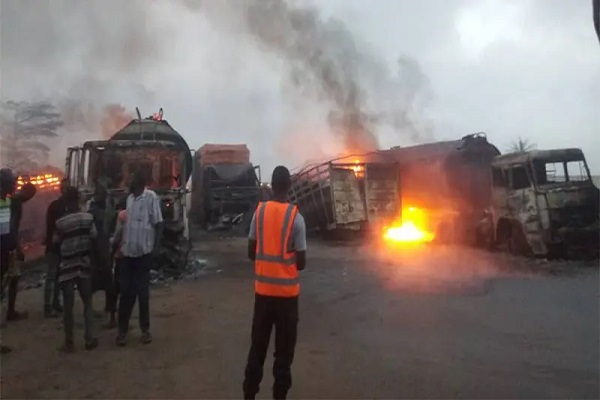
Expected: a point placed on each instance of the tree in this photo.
(24, 128)
(521, 146)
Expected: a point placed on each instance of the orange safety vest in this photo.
(275, 265)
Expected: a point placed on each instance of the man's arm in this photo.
(252, 239)
(118, 235)
(56, 238)
(15, 221)
(299, 235)
(156, 219)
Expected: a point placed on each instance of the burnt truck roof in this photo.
(123, 144)
(569, 154)
(154, 130)
(375, 157)
(441, 150)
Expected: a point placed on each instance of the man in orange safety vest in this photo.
(277, 245)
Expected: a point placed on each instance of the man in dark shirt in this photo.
(11, 208)
(102, 276)
(56, 210)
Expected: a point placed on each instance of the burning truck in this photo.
(419, 194)
(102, 169)
(445, 189)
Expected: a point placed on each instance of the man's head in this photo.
(71, 197)
(137, 184)
(27, 192)
(8, 182)
(281, 181)
(64, 184)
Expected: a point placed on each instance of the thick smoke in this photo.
(78, 55)
(325, 60)
(86, 56)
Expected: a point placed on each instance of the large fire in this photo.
(42, 181)
(358, 169)
(413, 228)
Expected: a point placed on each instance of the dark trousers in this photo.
(281, 312)
(51, 286)
(134, 284)
(114, 301)
(10, 284)
(84, 287)
(103, 280)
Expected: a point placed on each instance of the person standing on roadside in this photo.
(277, 245)
(7, 241)
(56, 210)
(101, 209)
(141, 240)
(74, 234)
(117, 249)
(10, 246)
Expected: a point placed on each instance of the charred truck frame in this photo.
(544, 203)
(352, 193)
(149, 144)
(225, 187)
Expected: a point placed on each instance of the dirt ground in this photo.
(445, 323)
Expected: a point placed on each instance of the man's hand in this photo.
(156, 248)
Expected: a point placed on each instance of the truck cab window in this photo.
(498, 179)
(520, 180)
(555, 172)
(576, 171)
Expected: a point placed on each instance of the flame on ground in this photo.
(412, 229)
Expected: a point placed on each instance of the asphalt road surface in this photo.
(374, 323)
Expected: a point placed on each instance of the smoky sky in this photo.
(300, 79)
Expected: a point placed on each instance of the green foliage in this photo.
(521, 146)
(25, 129)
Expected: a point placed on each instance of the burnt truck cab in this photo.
(150, 145)
(545, 203)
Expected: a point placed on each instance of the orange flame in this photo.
(358, 169)
(42, 181)
(412, 229)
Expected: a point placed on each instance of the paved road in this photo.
(422, 324)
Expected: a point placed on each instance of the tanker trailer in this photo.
(450, 181)
(149, 144)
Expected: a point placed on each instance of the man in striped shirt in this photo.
(74, 234)
(141, 239)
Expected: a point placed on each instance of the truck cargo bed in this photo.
(350, 193)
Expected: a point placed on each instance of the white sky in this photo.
(511, 68)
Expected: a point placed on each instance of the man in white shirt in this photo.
(141, 239)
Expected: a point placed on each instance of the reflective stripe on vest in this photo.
(5, 216)
(275, 266)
